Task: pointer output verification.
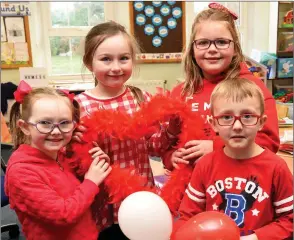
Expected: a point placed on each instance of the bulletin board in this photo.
(15, 42)
(159, 27)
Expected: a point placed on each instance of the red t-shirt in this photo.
(257, 193)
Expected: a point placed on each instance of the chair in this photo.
(13, 228)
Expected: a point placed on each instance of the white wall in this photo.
(257, 26)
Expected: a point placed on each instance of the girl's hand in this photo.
(98, 171)
(78, 133)
(97, 152)
(249, 237)
(197, 148)
(167, 172)
(177, 157)
(174, 125)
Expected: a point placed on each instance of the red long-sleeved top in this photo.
(50, 202)
(256, 192)
(268, 137)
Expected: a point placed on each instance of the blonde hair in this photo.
(237, 90)
(24, 111)
(99, 34)
(193, 73)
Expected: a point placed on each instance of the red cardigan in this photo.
(50, 202)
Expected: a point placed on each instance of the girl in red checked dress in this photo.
(214, 54)
(50, 202)
(110, 54)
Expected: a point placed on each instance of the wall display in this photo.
(15, 42)
(15, 29)
(3, 31)
(159, 27)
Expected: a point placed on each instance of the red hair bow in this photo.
(22, 90)
(69, 95)
(223, 8)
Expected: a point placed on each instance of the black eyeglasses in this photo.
(220, 43)
(245, 119)
(47, 126)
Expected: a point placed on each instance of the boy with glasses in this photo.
(250, 184)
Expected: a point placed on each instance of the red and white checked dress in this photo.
(128, 152)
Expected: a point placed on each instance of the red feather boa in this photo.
(123, 182)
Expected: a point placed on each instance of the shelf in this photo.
(286, 29)
(281, 79)
(284, 54)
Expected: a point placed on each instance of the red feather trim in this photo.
(142, 123)
(173, 190)
(123, 182)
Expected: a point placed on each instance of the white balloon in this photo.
(145, 216)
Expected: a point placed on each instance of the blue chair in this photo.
(12, 228)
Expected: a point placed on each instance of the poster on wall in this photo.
(159, 27)
(3, 31)
(15, 29)
(21, 52)
(7, 53)
(16, 50)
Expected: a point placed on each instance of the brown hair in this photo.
(24, 111)
(101, 32)
(237, 90)
(193, 73)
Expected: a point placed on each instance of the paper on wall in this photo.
(15, 29)
(21, 52)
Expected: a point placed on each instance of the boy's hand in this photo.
(177, 157)
(78, 133)
(195, 149)
(98, 171)
(97, 152)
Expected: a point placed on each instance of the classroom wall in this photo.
(258, 24)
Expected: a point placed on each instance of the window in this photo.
(66, 25)
(237, 7)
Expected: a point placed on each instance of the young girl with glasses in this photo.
(213, 55)
(250, 184)
(50, 202)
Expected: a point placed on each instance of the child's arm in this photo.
(194, 198)
(30, 193)
(268, 136)
(282, 226)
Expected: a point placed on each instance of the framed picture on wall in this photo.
(16, 50)
(159, 27)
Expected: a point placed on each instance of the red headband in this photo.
(24, 89)
(223, 8)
